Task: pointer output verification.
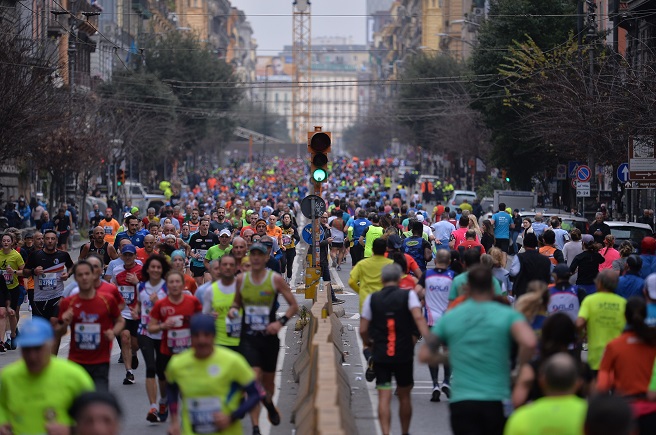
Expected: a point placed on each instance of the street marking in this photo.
(339, 283)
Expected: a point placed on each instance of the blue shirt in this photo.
(359, 225)
(501, 225)
(539, 228)
(137, 239)
(630, 285)
(651, 314)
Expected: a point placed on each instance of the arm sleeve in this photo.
(253, 397)
(172, 395)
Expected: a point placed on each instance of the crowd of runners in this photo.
(555, 336)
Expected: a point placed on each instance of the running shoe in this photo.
(256, 430)
(152, 416)
(274, 415)
(338, 301)
(163, 413)
(370, 374)
(129, 378)
(135, 361)
(338, 267)
(446, 389)
(435, 397)
(2, 347)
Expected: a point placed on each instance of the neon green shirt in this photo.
(14, 260)
(562, 415)
(604, 315)
(208, 386)
(365, 276)
(27, 400)
(215, 252)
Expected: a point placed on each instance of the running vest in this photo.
(414, 247)
(391, 326)
(227, 330)
(359, 226)
(372, 234)
(102, 251)
(548, 251)
(259, 302)
(288, 237)
(564, 299)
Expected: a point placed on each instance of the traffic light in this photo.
(120, 177)
(319, 146)
(504, 176)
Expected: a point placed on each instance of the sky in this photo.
(274, 32)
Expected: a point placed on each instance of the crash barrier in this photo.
(323, 403)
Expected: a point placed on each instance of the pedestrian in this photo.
(564, 297)
(529, 265)
(625, 249)
(212, 381)
(560, 411)
(417, 247)
(609, 252)
(389, 320)
(586, 264)
(470, 257)
(365, 276)
(549, 248)
(38, 389)
(601, 316)
(599, 229)
(480, 329)
(96, 413)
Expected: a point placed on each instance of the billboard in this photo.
(281, 67)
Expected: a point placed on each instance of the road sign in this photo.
(571, 168)
(640, 184)
(306, 234)
(623, 172)
(642, 159)
(573, 182)
(561, 172)
(319, 206)
(583, 173)
(583, 189)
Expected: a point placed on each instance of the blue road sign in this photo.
(307, 234)
(572, 166)
(623, 172)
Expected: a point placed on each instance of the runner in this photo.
(50, 267)
(126, 277)
(212, 381)
(148, 250)
(217, 251)
(63, 223)
(96, 413)
(178, 259)
(200, 243)
(390, 318)
(110, 225)
(290, 239)
(12, 265)
(131, 222)
(257, 294)
(218, 300)
(220, 223)
(151, 290)
(95, 320)
(99, 245)
(38, 389)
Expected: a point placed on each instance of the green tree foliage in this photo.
(548, 23)
(205, 85)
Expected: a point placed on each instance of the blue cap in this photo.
(178, 253)
(202, 323)
(35, 333)
(129, 248)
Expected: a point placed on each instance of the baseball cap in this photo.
(650, 286)
(134, 210)
(587, 238)
(34, 333)
(238, 202)
(126, 215)
(394, 241)
(562, 271)
(129, 248)
(249, 212)
(258, 247)
(420, 217)
(225, 232)
(202, 323)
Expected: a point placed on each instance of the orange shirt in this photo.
(110, 228)
(143, 255)
(275, 232)
(626, 365)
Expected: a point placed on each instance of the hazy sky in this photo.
(273, 32)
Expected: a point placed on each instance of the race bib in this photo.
(127, 291)
(286, 239)
(87, 336)
(233, 327)
(108, 231)
(9, 277)
(201, 414)
(48, 281)
(257, 317)
(202, 252)
(178, 340)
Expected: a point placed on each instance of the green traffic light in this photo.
(507, 179)
(319, 175)
(119, 183)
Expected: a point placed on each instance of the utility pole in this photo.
(591, 19)
(265, 127)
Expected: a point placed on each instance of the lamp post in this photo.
(266, 88)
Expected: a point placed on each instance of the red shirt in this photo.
(627, 365)
(411, 263)
(459, 237)
(408, 282)
(143, 255)
(111, 290)
(127, 289)
(472, 243)
(91, 318)
(178, 338)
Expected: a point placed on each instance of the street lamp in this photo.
(266, 88)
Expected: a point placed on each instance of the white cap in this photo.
(420, 217)
(225, 232)
(238, 202)
(650, 286)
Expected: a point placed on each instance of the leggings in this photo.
(288, 261)
(155, 363)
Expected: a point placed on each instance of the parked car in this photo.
(459, 196)
(631, 231)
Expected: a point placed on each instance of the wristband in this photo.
(283, 320)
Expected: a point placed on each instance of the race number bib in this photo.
(87, 336)
(48, 281)
(257, 317)
(9, 277)
(286, 239)
(233, 327)
(201, 414)
(108, 230)
(127, 291)
(178, 340)
(202, 252)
